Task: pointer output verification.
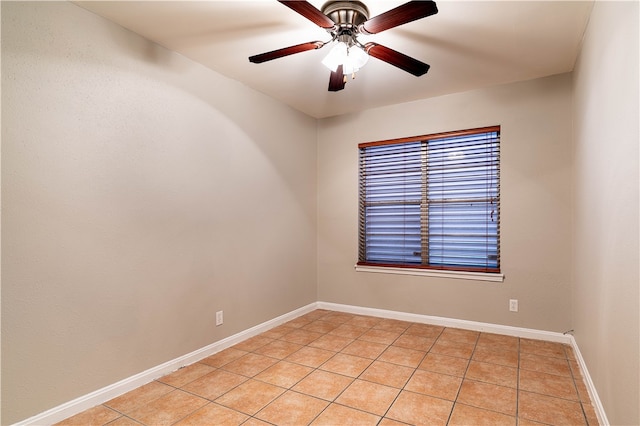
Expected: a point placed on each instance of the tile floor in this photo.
(333, 368)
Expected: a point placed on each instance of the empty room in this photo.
(270, 212)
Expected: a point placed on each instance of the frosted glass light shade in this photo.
(356, 58)
(351, 58)
(337, 56)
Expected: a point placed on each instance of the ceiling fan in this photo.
(344, 21)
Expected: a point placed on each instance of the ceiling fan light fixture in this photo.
(351, 58)
(345, 21)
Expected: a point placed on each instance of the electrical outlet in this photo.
(219, 318)
(513, 305)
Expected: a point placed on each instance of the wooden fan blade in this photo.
(400, 60)
(275, 54)
(402, 14)
(336, 80)
(309, 11)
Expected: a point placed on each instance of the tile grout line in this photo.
(414, 371)
(464, 375)
(518, 384)
(405, 384)
(334, 401)
(355, 378)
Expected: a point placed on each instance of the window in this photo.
(431, 202)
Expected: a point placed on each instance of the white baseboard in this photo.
(593, 393)
(107, 393)
(450, 322)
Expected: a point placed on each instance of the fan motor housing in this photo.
(349, 14)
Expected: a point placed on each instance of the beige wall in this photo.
(536, 212)
(141, 193)
(606, 290)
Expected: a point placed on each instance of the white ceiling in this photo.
(469, 44)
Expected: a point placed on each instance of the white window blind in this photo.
(432, 201)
